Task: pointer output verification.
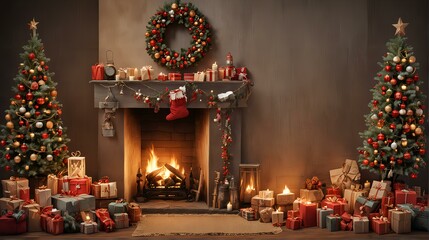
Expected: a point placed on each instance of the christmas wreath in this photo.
(182, 13)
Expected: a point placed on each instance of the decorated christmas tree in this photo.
(33, 141)
(394, 142)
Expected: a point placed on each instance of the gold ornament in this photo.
(17, 159)
(33, 157)
(400, 27)
(23, 101)
(375, 162)
(12, 102)
(157, 55)
(412, 59)
(147, 34)
(192, 59)
(403, 60)
(418, 131)
(41, 82)
(30, 103)
(46, 99)
(31, 71)
(27, 167)
(16, 144)
(54, 93)
(192, 13)
(49, 124)
(417, 159)
(158, 26)
(60, 139)
(8, 117)
(196, 23)
(47, 111)
(201, 34)
(201, 20)
(396, 59)
(9, 125)
(27, 114)
(32, 135)
(404, 142)
(174, 6)
(404, 87)
(413, 127)
(42, 148)
(168, 58)
(375, 151)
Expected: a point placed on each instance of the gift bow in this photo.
(43, 187)
(75, 154)
(349, 172)
(332, 199)
(406, 194)
(242, 76)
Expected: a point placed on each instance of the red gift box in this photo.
(386, 204)
(162, 77)
(293, 223)
(371, 217)
(292, 213)
(80, 186)
(229, 72)
(174, 76)
(24, 193)
(211, 75)
(337, 204)
(188, 76)
(346, 226)
(307, 212)
(107, 224)
(55, 225)
(399, 186)
(381, 226)
(9, 225)
(97, 72)
(241, 74)
(335, 191)
(405, 196)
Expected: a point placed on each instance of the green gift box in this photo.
(117, 207)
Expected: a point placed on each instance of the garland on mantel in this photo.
(222, 114)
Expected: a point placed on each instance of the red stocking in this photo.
(177, 105)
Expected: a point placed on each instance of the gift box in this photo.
(266, 194)
(311, 195)
(43, 196)
(364, 206)
(105, 222)
(80, 185)
(333, 222)
(199, 76)
(121, 220)
(240, 74)
(122, 74)
(285, 198)
(346, 226)
(337, 205)
(297, 203)
(162, 77)
(174, 76)
(265, 214)
(248, 213)
(336, 191)
(277, 218)
(188, 76)
(96, 190)
(211, 76)
(147, 73)
(76, 165)
(399, 186)
(400, 221)
(405, 196)
(378, 190)
(262, 202)
(33, 220)
(10, 204)
(421, 220)
(12, 186)
(387, 203)
(292, 213)
(52, 184)
(307, 212)
(229, 72)
(63, 184)
(118, 206)
(108, 190)
(88, 227)
(256, 208)
(134, 212)
(351, 196)
(73, 204)
(97, 72)
(343, 177)
(293, 223)
(285, 208)
(222, 73)
(24, 193)
(55, 225)
(13, 223)
(360, 224)
(381, 225)
(322, 213)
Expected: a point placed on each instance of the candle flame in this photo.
(308, 202)
(88, 218)
(286, 190)
(250, 188)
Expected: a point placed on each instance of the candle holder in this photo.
(249, 182)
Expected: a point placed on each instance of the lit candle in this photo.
(277, 218)
(214, 67)
(286, 197)
(367, 185)
(88, 219)
(229, 207)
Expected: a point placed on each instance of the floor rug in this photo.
(200, 224)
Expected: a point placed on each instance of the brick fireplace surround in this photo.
(120, 156)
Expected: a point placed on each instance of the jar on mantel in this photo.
(223, 196)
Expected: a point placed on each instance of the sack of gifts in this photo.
(343, 177)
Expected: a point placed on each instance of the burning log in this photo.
(152, 175)
(169, 182)
(175, 171)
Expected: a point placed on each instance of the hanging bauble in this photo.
(374, 117)
(419, 112)
(398, 67)
(393, 82)
(388, 108)
(412, 59)
(380, 114)
(382, 167)
(3, 142)
(45, 135)
(49, 124)
(393, 145)
(29, 96)
(24, 147)
(418, 131)
(388, 68)
(403, 87)
(409, 69)
(380, 137)
(409, 81)
(407, 156)
(43, 148)
(410, 112)
(403, 60)
(396, 59)
(49, 157)
(375, 162)
(386, 78)
(401, 77)
(402, 111)
(32, 135)
(389, 92)
(21, 87)
(8, 117)
(27, 167)
(369, 141)
(39, 124)
(9, 125)
(22, 110)
(17, 159)
(422, 151)
(33, 157)
(41, 83)
(404, 142)
(16, 144)
(375, 145)
(31, 56)
(60, 139)
(398, 95)
(54, 93)
(34, 86)
(40, 101)
(413, 175)
(375, 151)
(365, 162)
(18, 97)
(413, 127)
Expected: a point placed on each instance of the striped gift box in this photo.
(174, 76)
(188, 76)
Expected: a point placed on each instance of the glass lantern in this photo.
(249, 182)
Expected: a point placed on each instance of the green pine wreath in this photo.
(182, 13)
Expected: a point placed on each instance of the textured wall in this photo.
(312, 63)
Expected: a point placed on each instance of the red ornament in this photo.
(398, 95)
(392, 126)
(45, 135)
(34, 86)
(413, 175)
(374, 103)
(388, 68)
(383, 88)
(18, 97)
(380, 114)
(395, 113)
(365, 162)
(24, 147)
(382, 167)
(31, 56)
(3, 142)
(34, 78)
(37, 113)
(371, 164)
(421, 121)
(60, 132)
(404, 98)
(399, 161)
(152, 43)
(402, 106)
(369, 141)
(21, 123)
(7, 168)
(386, 78)
(416, 78)
(65, 161)
(7, 156)
(406, 127)
(21, 87)
(40, 101)
(153, 32)
(422, 151)
(393, 82)
(380, 137)
(398, 67)
(409, 81)
(29, 96)
(407, 156)
(375, 145)
(176, 55)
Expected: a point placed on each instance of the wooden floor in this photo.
(306, 233)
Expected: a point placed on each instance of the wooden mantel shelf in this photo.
(153, 88)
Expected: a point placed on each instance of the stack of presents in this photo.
(346, 206)
(66, 204)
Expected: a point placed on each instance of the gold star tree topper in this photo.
(400, 27)
(33, 26)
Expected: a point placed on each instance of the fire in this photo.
(286, 190)
(250, 188)
(153, 163)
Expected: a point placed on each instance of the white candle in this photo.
(229, 207)
(214, 67)
(131, 77)
(286, 197)
(367, 185)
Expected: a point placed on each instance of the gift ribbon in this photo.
(75, 154)
(405, 191)
(332, 199)
(242, 76)
(43, 187)
(378, 188)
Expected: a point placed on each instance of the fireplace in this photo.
(195, 142)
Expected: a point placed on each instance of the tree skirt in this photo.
(200, 224)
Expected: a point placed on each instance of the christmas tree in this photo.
(394, 142)
(33, 140)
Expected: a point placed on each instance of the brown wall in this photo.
(312, 63)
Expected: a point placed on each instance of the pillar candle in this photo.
(229, 207)
(277, 218)
(286, 197)
(214, 67)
